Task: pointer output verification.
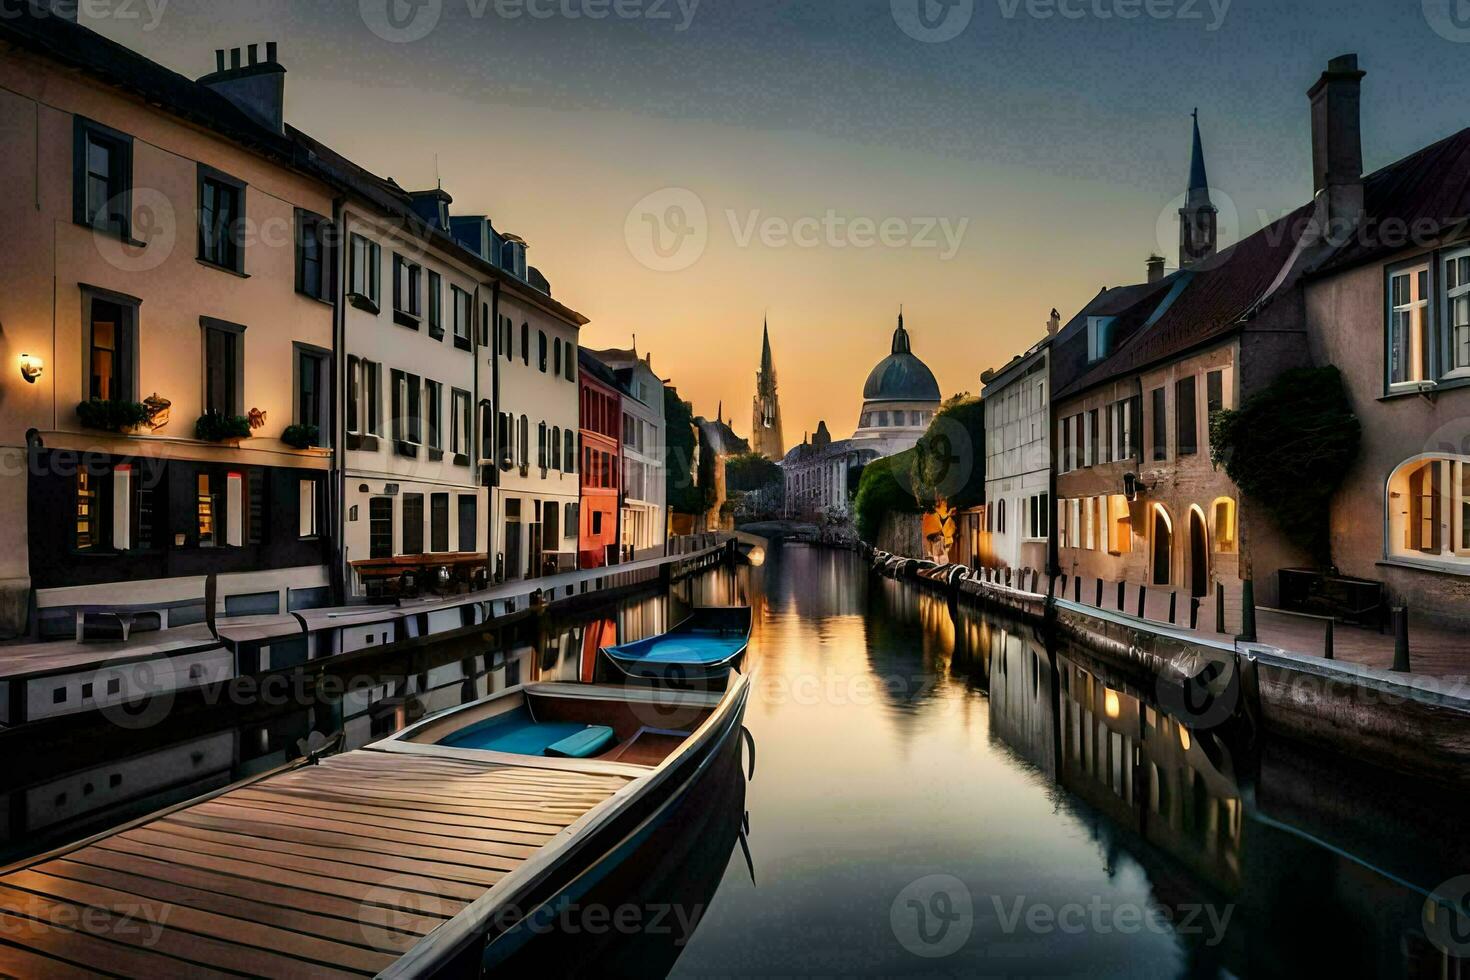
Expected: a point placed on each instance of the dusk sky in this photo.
(1052, 149)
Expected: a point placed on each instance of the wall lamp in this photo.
(31, 368)
(1134, 487)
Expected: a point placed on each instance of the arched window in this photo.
(1428, 509)
(1000, 518)
(1162, 545)
(1225, 535)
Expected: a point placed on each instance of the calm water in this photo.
(934, 793)
(937, 794)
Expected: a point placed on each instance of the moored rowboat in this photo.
(706, 645)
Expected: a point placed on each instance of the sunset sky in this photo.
(1059, 145)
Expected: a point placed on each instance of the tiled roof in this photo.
(1203, 303)
(1131, 305)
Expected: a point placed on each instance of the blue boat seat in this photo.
(590, 741)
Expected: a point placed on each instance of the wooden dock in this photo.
(329, 870)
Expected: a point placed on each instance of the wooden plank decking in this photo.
(331, 870)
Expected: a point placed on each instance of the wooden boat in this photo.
(705, 646)
(434, 853)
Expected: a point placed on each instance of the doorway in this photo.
(1199, 555)
(1163, 548)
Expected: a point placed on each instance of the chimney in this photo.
(256, 87)
(1155, 268)
(1054, 325)
(1337, 143)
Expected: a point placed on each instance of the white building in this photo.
(645, 517)
(819, 475)
(1017, 515)
(412, 496)
(528, 383)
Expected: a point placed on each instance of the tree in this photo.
(1289, 447)
(949, 460)
(886, 487)
(683, 496)
(750, 471)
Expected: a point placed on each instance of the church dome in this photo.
(901, 377)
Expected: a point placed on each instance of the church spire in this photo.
(766, 437)
(1197, 219)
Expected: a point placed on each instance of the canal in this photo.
(933, 792)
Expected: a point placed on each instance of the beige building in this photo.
(167, 330)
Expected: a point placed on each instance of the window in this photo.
(525, 443)
(224, 366)
(463, 312)
(556, 447)
(1408, 326)
(1457, 309)
(1225, 525)
(1119, 524)
(380, 527)
(541, 350)
(407, 425)
(1092, 435)
(312, 386)
(102, 169)
(556, 347)
(1160, 425)
(1066, 466)
(88, 512)
(1163, 547)
(1186, 408)
(439, 523)
(367, 261)
(541, 455)
(364, 398)
(407, 295)
(1099, 337)
(569, 450)
(1214, 394)
(313, 256)
(307, 509)
(221, 220)
(434, 396)
(206, 511)
(413, 524)
(436, 306)
(460, 426)
(526, 344)
(571, 361)
(111, 346)
(469, 524)
(1120, 425)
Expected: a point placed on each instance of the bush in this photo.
(949, 460)
(1289, 447)
(750, 471)
(111, 416)
(886, 487)
(301, 436)
(215, 427)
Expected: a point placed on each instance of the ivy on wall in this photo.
(1289, 447)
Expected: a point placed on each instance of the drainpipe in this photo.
(337, 496)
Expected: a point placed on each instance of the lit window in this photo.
(1408, 326)
(1225, 534)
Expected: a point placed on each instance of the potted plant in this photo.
(301, 436)
(112, 415)
(217, 427)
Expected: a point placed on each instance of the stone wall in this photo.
(902, 534)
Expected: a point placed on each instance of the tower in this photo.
(1197, 219)
(765, 424)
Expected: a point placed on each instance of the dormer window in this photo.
(1099, 337)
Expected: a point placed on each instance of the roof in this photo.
(592, 365)
(1423, 197)
(1201, 304)
(114, 64)
(901, 377)
(1131, 307)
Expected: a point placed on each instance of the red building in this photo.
(601, 422)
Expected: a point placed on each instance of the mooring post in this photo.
(1248, 611)
(1327, 640)
(1077, 588)
(1219, 607)
(1122, 595)
(1173, 606)
(1099, 593)
(1401, 640)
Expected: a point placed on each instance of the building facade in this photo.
(645, 514)
(1013, 530)
(601, 464)
(820, 476)
(168, 299)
